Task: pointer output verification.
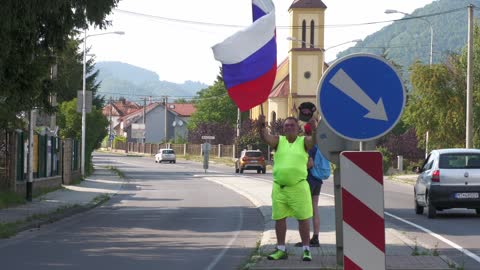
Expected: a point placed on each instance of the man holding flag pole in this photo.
(249, 63)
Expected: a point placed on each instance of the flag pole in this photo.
(261, 109)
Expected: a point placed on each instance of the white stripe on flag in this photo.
(242, 44)
(361, 251)
(362, 186)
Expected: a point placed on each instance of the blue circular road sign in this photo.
(361, 97)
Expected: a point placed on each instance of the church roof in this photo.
(282, 89)
(307, 4)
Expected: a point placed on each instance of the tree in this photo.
(224, 133)
(70, 123)
(214, 106)
(32, 36)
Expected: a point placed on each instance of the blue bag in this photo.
(321, 166)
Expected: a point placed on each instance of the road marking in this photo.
(345, 84)
(229, 244)
(439, 237)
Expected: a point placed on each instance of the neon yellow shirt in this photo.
(290, 162)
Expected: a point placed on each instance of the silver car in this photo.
(165, 155)
(449, 178)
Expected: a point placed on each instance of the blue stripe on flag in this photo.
(252, 67)
(257, 12)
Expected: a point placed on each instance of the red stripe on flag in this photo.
(370, 162)
(363, 220)
(250, 94)
(349, 264)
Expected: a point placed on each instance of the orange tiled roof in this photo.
(281, 89)
(182, 109)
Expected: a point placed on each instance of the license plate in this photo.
(471, 195)
(254, 161)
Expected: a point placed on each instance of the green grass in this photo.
(9, 199)
(117, 171)
(254, 257)
(11, 228)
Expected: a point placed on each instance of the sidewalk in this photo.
(61, 203)
(399, 249)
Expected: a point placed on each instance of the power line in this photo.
(210, 24)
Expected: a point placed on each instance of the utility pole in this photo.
(144, 115)
(110, 139)
(469, 124)
(33, 116)
(166, 125)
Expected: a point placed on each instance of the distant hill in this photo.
(134, 83)
(408, 40)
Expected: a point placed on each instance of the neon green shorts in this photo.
(292, 201)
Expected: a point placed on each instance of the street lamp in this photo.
(84, 92)
(392, 11)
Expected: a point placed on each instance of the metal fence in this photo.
(5, 158)
(180, 149)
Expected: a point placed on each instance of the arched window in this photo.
(304, 33)
(312, 34)
(274, 117)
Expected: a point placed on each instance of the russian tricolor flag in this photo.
(249, 58)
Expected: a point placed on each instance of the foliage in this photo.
(70, 123)
(32, 36)
(386, 158)
(438, 98)
(214, 106)
(408, 41)
(403, 145)
(224, 133)
(117, 139)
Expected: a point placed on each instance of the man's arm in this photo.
(311, 140)
(270, 139)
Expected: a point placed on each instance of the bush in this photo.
(386, 158)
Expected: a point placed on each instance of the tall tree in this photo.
(32, 35)
(214, 106)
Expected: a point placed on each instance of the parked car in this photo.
(251, 160)
(449, 178)
(165, 155)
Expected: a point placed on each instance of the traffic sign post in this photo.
(361, 97)
(206, 147)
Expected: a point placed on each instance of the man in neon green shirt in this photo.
(290, 191)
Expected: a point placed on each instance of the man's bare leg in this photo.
(281, 231)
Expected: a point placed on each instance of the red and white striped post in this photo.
(363, 219)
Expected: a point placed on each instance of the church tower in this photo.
(306, 51)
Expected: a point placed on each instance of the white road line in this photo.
(439, 237)
(229, 244)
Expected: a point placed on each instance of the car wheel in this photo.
(156, 161)
(241, 170)
(258, 171)
(418, 208)
(478, 211)
(174, 161)
(236, 170)
(264, 171)
(431, 212)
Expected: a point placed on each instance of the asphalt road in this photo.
(454, 233)
(168, 218)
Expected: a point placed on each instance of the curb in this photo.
(68, 211)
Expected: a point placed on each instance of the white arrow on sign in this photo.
(344, 83)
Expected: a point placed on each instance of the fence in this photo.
(218, 150)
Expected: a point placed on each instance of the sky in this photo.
(178, 52)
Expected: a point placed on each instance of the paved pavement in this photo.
(103, 182)
(71, 199)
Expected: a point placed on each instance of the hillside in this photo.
(134, 83)
(409, 40)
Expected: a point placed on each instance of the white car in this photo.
(165, 155)
(449, 178)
